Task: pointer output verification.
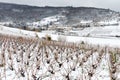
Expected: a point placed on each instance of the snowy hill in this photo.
(47, 21)
(21, 15)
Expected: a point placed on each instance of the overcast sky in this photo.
(111, 4)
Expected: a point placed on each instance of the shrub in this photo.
(82, 42)
(48, 38)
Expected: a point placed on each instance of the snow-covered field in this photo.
(106, 32)
(23, 56)
(99, 40)
(47, 21)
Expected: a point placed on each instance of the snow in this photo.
(46, 21)
(112, 42)
(108, 22)
(83, 21)
(105, 31)
(70, 62)
(102, 72)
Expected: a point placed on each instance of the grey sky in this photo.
(112, 4)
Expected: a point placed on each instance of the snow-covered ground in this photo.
(28, 58)
(106, 31)
(47, 21)
(103, 41)
(33, 59)
(108, 22)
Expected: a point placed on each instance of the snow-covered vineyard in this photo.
(32, 59)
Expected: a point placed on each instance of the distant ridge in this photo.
(18, 13)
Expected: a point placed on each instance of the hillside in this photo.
(20, 15)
